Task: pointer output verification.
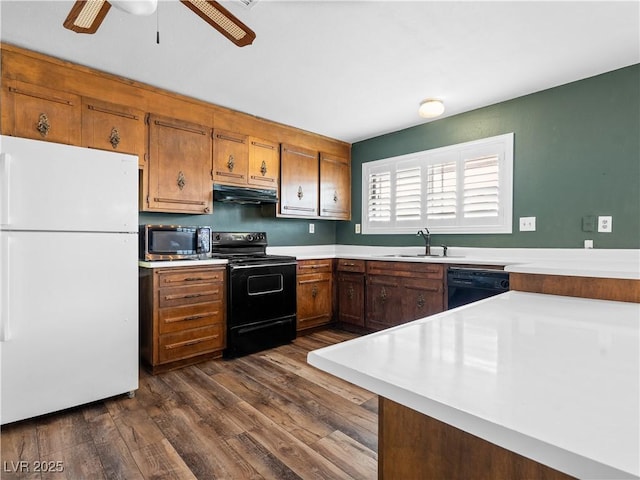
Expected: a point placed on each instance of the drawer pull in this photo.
(193, 279)
(348, 264)
(189, 343)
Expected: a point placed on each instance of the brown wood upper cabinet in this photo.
(180, 158)
(264, 163)
(41, 113)
(314, 184)
(115, 128)
(299, 181)
(230, 158)
(335, 187)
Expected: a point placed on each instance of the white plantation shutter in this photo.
(481, 187)
(441, 191)
(379, 197)
(464, 188)
(408, 194)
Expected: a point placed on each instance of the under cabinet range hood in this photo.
(244, 195)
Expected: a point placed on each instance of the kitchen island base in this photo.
(414, 445)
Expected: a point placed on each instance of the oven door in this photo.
(260, 292)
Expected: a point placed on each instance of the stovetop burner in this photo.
(244, 248)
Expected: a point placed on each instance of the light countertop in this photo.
(555, 379)
(598, 263)
(181, 263)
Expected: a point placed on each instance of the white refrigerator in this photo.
(69, 276)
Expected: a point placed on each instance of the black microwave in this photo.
(174, 242)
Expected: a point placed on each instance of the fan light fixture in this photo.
(87, 15)
(431, 108)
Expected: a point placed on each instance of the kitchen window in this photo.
(463, 188)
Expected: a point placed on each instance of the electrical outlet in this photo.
(604, 223)
(312, 228)
(527, 224)
(357, 228)
(588, 244)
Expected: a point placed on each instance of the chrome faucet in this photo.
(427, 238)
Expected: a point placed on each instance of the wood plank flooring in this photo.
(267, 415)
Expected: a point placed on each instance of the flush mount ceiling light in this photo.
(431, 108)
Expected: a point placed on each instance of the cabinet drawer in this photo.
(348, 265)
(180, 345)
(315, 266)
(190, 316)
(423, 284)
(192, 294)
(406, 269)
(190, 277)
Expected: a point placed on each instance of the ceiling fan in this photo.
(87, 15)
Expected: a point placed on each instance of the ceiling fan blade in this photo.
(86, 15)
(222, 20)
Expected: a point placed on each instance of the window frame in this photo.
(501, 146)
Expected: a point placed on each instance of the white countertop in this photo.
(181, 263)
(555, 379)
(598, 263)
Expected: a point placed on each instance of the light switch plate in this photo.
(357, 228)
(312, 228)
(527, 224)
(604, 223)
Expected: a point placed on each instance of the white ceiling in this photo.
(350, 70)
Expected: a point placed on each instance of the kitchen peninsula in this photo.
(515, 386)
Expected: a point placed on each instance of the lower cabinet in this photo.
(182, 316)
(399, 292)
(314, 293)
(374, 295)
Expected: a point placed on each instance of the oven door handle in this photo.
(260, 265)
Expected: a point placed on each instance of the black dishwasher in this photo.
(466, 285)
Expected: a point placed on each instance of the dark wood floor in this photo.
(267, 415)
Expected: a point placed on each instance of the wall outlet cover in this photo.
(357, 228)
(588, 244)
(589, 223)
(527, 224)
(312, 228)
(605, 223)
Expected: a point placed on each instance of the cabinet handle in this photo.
(230, 163)
(300, 193)
(350, 292)
(383, 295)
(301, 209)
(181, 180)
(263, 168)
(43, 126)
(175, 200)
(348, 264)
(420, 302)
(314, 291)
(335, 196)
(193, 279)
(188, 343)
(114, 138)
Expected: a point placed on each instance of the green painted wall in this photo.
(252, 218)
(577, 153)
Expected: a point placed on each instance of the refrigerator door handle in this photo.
(5, 159)
(5, 333)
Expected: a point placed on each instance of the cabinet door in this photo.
(335, 187)
(115, 128)
(314, 294)
(179, 166)
(299, 178)
(421, 297)
(351, 298)
(384, 302)
(230, 158)
(264, 163)
(42, 113)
